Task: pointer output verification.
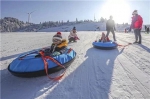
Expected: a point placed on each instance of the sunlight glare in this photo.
(119, 9)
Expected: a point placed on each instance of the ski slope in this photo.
(122, 73)
(85, 26)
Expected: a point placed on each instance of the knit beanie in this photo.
(74, 28)
(59, 33)
(134, 12)
(58, 37)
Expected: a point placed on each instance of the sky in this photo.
(51, 10)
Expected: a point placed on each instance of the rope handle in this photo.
(46, 66)
(123, 45)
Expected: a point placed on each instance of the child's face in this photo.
(59, 34)
(74, 31)
(133, 14)
(56, 41)
(103, 34)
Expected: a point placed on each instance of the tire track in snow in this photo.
(122, 82)
(141, 83)
(141, 63)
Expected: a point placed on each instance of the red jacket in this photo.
(137, 22)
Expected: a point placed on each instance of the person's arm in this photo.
(71, 33)
(114, 25)
(141, 21)
(59, 51)
(107, 25)
(131, 26)
(63, 49)
(134, 19)
(75, 34)
(52, 47)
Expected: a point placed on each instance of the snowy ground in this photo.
(95, 74)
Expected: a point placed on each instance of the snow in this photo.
(122, 73)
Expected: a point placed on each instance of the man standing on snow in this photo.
(136, 24)
(110, 27)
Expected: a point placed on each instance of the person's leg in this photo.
(108, 31)
(73, 39)
(69, 39)
(114, 37)
(139, 35)
(136, 37)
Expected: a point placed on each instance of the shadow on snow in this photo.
(91, 79)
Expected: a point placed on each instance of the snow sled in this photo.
(31, 64)
(105, 45)
(73, 39)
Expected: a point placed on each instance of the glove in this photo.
(55, 53)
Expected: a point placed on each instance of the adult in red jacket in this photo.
(136, 24)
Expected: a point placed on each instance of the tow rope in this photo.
(45, 58)
(55, 61)
(123, 45)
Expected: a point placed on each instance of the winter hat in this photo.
(74, 28)
(59, 33)
(134, 12)
(58, 37)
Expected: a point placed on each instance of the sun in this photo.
(119, 9)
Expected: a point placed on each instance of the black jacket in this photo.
(59, 48)
(110, 25)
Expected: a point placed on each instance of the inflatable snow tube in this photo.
(105, 45)
(32, 65)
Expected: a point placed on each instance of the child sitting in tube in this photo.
(58, 46)
(104, 38)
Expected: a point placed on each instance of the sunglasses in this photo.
(56, 40)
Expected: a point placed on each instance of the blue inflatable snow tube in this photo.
(105, 45)
(33, 66)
